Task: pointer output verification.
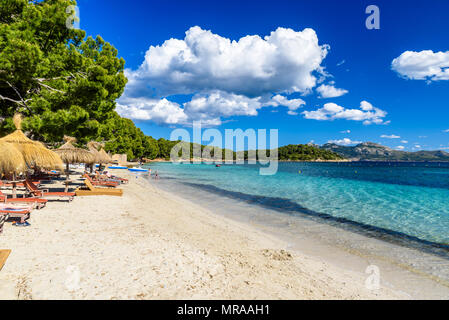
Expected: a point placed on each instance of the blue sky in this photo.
(358, 60)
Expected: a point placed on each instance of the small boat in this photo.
(117, 167)
(138, 170)
(218, 166)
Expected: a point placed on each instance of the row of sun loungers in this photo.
(20, 208)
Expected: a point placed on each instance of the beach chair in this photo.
(105, 177)
(18, 184)
(21, 212)
(91, 190)
(38, 203)
(108, 184)
(45, 193)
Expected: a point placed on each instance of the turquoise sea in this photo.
(395, 215)
(411, 199)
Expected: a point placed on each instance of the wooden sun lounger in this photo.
(19, 184)
(23, 213)
(44, 193)
(4, 254)
(38, 203)
(90, 190)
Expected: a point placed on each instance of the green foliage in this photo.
(152, 150)
(67, 84)
(303, 152)
(165, 147)
(62, 82)
(292, 152)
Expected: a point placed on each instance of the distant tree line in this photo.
(300, 152)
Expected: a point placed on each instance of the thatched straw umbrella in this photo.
(70, 154)
(12, 163)
(93, 149)
(11, 160)
(101, 156)
(34, 153)
(105, 157)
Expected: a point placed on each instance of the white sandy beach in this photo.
(151, 244)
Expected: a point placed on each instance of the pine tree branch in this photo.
(22, 102)
(15, 101)
(50, 88)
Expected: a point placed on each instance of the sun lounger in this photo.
(108, 184)
(18, 184)
(45, 193)
(4, 254)
(22, 212)
(90, 190)
(105, 177)
(38, 203)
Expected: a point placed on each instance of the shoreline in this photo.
(298, 161)
(406, 266)
(152, 244)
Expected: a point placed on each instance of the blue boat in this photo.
(117, 167)
(137, 170)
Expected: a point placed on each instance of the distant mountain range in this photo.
(376, 152)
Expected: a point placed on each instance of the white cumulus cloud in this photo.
(284, 61)
(331, 111)
(159, 111)
(329, 91)
(209, 108)
(400, 147)
(224, 77)
(392, 136)
(423, 65)
(292, 105)
(344, 142)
